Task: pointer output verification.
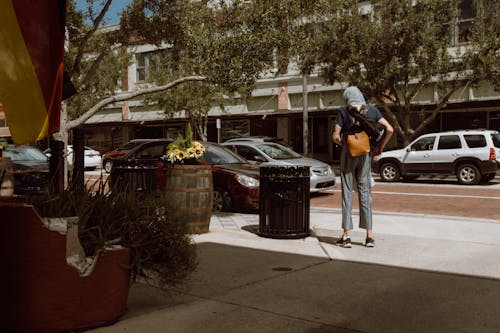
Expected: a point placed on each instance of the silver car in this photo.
(269, 153)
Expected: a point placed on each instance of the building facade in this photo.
(277, 108)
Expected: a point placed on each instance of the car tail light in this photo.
(492, 154)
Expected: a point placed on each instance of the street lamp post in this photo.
(305, 132)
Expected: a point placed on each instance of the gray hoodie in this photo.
(353, 96)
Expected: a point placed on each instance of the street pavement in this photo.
(427, 273)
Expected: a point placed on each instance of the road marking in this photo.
(429, 195)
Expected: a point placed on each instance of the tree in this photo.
(203, 43)
(212, 40)
(402, 47)
(289, 25)
(208, 44)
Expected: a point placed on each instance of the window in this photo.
(475, 141)
(247, 153)
(449, 142)
(278, 152)
(143, 62)
(496, 140)
(426, 143)
(155, 151)
(462, 31)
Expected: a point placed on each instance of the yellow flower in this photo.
(180, 154)
(183, 148)
(190, 152)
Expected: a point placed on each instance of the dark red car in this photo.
(236, 182)
(118, 153)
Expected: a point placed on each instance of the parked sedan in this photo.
(141, 152)
(30, 167)
(235, 181)
(91, 160)
(261, 152)
(118, 153)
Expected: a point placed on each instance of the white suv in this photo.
(472, 155)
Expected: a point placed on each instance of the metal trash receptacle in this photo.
(284, 201)
(137, 176)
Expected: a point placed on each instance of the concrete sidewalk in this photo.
(426, 274)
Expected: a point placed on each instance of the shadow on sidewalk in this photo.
(237, 289)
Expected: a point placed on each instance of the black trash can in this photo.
(134, 176)
(284, 201)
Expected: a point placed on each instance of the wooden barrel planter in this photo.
(190, 189)
(7, 183)
(40, 291)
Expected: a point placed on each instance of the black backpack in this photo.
(372, 128)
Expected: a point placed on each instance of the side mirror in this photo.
(259, 158)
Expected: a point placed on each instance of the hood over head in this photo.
(353, 96)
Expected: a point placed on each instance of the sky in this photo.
(113, 15)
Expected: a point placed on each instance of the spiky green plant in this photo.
(163, 253)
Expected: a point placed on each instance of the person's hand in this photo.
(336, 139)
(378, 151)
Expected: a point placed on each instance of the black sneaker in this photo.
(370, 242)
(344, 242)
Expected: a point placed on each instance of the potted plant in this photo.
(121, 238)
(186, 182)
(184, 150)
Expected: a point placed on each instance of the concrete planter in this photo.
(44, 291)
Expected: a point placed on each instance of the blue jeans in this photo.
(356, 171)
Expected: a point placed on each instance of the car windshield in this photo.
(130, 145)
(24, 153)
(277, 152)
(496, 139)
(221, 155)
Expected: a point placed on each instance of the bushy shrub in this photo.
(162, 250)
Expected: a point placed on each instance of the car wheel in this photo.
(487, 177)
(222, 200)
(468, 174)
(389, 172)
(108, 165)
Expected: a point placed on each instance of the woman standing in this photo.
(357, 169)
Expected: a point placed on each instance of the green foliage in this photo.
(212, 41)
(3, 144)
(398, 42)
(289, 27)
(162, 250)
(63, 205)
(189, 136)
(94, 59)
(395, 50)
(483, 56)
(184, 149)
(402, 46)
